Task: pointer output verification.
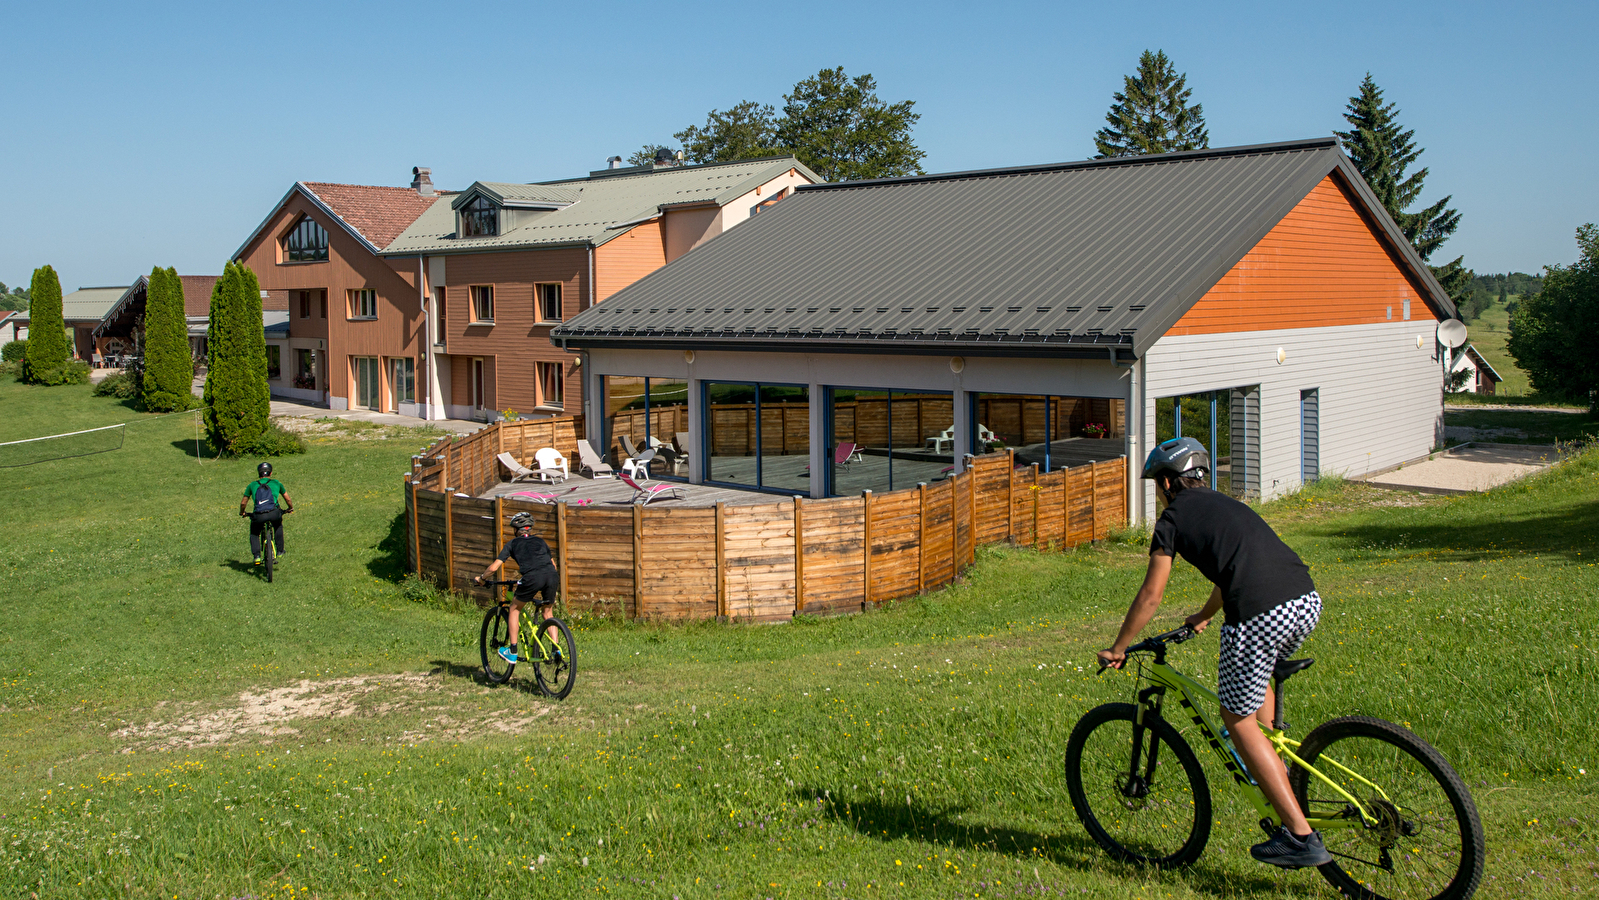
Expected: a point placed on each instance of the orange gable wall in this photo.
(1322, 265)
(625, 259)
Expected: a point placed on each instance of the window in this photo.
(483, 303)
(650, 412)
(549, 300)
(480, 218)
(885, 440)
(438, 316)
(759, 435)
(364, 304)
(1227, 422)
(1050, 432)
(322, 301)
(274, 364)
(367, 382)
(552, 384)
(769, 202)
(305, 304)
(305, 369)
(305, 242)
(403, 381)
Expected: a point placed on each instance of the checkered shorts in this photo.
(1250, 650)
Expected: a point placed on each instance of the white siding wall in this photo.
(1381, 397)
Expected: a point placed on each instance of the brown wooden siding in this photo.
(517, 340)
(627, 258)
(396, 332)
(1323, 264)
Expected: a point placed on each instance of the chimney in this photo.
(422, 181)
(614, 162)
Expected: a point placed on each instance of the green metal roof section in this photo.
(590, 210)
(91, 303)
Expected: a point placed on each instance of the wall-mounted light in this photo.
(1419, 340)
(956, 364)
(1282, 356)
(688, 356)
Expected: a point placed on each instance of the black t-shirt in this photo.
(1233, 547)
(530, 552)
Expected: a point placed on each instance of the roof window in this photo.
(306, 242)
(480, 218)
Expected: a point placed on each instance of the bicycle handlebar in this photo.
(1157, 644)
(495, 581)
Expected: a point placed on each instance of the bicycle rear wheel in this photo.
(1427, 843)
(269, 539)
(496, 633)
(555, 673)
(1158, 817)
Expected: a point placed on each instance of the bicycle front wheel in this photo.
(555, 668)
(269, 552)
(496, 634)
(1426, 842)
(1152, 812)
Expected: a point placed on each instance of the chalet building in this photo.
(869, 335)
(503, 264)
(354, 319)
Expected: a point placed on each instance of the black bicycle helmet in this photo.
(521, 520)
(263, 470)
(1183, 457)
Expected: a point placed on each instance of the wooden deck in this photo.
(611, 492)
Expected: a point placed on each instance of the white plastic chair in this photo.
(552, 465)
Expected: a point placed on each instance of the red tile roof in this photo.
(197, 293)
(378, 213)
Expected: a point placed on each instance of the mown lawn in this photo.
(174, 726)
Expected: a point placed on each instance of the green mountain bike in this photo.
(1398, 821)
(547, 646)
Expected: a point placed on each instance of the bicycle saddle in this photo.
(1287, 667)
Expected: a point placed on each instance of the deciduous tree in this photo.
(1151, 114)
(746, 131)
(168, 370)
(838, 127)
(1552, 331)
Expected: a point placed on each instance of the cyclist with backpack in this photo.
(271, 502)
(538, 583)
(1269, 607)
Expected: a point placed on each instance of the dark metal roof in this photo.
(1084, 256)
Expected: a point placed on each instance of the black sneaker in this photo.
(1290, 852)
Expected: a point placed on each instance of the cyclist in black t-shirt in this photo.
(1269, 603)
(537, 584)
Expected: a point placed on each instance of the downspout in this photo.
(1135, 406)
(427, 331)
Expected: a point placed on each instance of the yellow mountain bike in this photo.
(1398, 821)
(547, 644)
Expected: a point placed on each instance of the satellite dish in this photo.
(1452, 333)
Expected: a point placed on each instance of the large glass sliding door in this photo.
(758, 435)
(368, 384)
(649, 413)
(885, 440)
(1050, 432)
(1227, 423)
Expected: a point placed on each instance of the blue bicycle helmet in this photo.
(1183, 457)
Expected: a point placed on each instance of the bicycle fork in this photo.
(1136, 786)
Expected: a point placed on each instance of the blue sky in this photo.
(138, 135)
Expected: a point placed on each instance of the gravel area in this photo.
(1464, 469)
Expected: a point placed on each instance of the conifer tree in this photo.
(168, 370)
(1383, 152)
(237, 399)
(1152, 114)
(48, 350)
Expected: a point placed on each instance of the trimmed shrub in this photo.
(16, 351)
(118, 385)
(73, 371)
(168, 371)
(238, 403)
(48, 350)
(274, 441)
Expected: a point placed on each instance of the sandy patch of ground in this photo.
(1469, 469)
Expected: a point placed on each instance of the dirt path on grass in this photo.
(424, 706)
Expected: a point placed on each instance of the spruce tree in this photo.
(237, 399)
(1383, 152)
(168, 370)
(48, 350)
(1152, 114)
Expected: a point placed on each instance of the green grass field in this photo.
(176, 727)
(1489, 332)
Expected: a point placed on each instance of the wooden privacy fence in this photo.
(467, 463)
(766, 563)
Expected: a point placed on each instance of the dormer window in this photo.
(480, 218)
(306, 242)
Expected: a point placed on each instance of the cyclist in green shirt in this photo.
(271, 502)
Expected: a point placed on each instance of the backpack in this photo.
(263, 497)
